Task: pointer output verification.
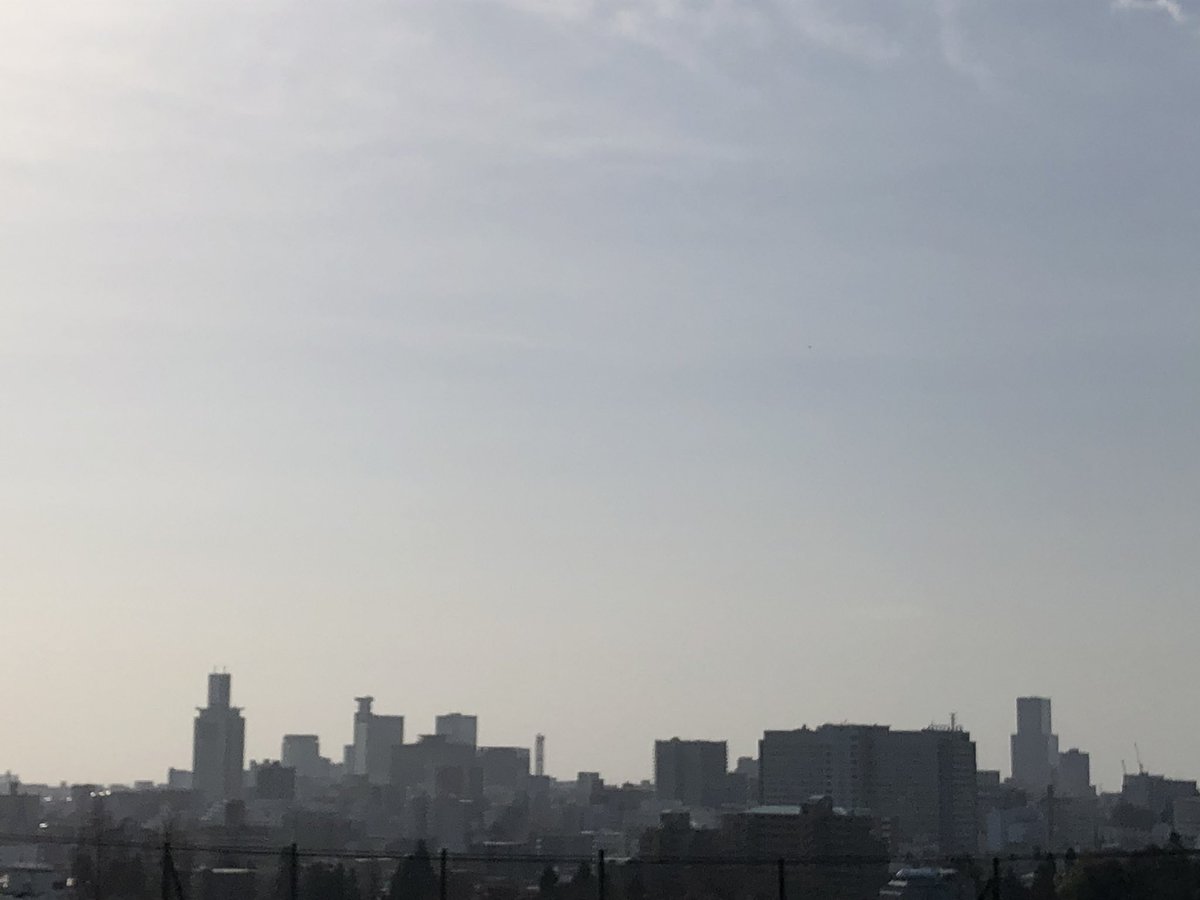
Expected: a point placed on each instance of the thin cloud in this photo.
(957, 52)
(679, 31)
(1172, 8)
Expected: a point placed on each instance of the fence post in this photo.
(442, 886)
(165, 886)
(600, 874)
(97, 893)
(995, 878)
(782, 880)
(293, 872)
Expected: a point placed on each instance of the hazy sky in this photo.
(617, 370)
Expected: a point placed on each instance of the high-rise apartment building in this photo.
(457, 728)
(218, 743)
(1073, 779)
(506, 767)
(691, 772)
(273, 781)
(302, 752)
(1034, 747)
(1156, 793)
(923, 782)
(436, 766)
(375, 739)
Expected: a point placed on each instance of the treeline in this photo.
(1170, 873)
(113, 873)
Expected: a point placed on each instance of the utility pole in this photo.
(293, 872)
(782, 880)
(1050, 818)
(442, 886)
(995, 878)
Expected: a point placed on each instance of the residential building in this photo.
(922, 782)
(1156, 793)
(1074, 775)
(815, 828)
(458, 728)
(854, 858)
(302, 752)
(504, 767)
(1186, 818)
(691, 772)
(274, 781)
(435, 766)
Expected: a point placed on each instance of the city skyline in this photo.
(606, 370)
(338, 748)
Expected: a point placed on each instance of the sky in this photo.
(613, 369)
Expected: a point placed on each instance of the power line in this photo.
(280, 852)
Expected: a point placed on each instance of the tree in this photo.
(414, 878)
(1011, 887)
(374, 879)
(548, 882)
(282, 887)
(83, 870)
(636, 887)
(1043, 880)
(583, 873)
(316, 881)
(580, 885)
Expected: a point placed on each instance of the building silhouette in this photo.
(457, 728)
(218, 743)
(923, 783)
(505, 767)
(1156, 793)
(1074, 776)
(375, 738)
(1034, 747)
(693, 773)
(274, 781)
(302, 752)
(436, 766)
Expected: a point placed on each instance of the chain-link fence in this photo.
(182, 869)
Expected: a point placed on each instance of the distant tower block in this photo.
(539, 755)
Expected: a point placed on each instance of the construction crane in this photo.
(1138, 755)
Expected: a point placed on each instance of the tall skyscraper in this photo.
(691, 772)
(375, 737)
(1034, 747)
(457, 728)
(218, 743)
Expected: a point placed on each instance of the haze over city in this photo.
(611, 371)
